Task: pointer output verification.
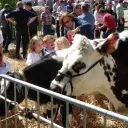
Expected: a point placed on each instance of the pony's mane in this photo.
(80, 43)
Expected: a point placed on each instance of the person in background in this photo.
(73, 25)
(35, 50)
(120, 16)
(55, 6)
(49, 3)
(48, 41)
(60, 10)
(86, 15)
(109, 22)
(35, 3)
(76, 10)
(21, 19)
(5, 27)
(33, 24)
(98, 22)
(1, 42)
(46, 18)
(41, 2)
(94, 7)
(69, 6)
(4, 65)
(110, 10)
(61, 43)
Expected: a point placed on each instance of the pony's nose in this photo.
(53, 85)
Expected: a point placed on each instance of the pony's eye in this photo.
(69, 73)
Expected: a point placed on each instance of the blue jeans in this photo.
(46, 29)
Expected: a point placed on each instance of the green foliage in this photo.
(12, 3)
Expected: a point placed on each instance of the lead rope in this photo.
(62, 92)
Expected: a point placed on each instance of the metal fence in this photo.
(68, 100)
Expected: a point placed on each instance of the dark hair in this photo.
(85, 7)
(66, 15)
(98, 7)
(120, 1)
(102, 11)
(29, 3)
(76, 6)
(94, 5)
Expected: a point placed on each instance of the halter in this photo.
(70, 77)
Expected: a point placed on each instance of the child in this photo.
(49, 44)
(35, 50)
(4, 65)
(61, 43)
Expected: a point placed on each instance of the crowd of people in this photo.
(94, 19)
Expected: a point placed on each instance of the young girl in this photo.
(61, 43)
(35, 50)
(4, 65)
(48, 41)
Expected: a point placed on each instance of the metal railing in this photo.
(68, 100)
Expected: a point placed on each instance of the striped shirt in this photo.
(46, 18)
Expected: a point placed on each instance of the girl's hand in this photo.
(71, 32)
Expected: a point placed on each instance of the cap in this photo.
(7, 6)
(29, 3)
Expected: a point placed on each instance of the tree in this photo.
(12, 3)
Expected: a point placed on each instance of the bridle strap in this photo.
(93, 65)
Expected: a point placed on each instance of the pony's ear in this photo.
(112, 42)
(109, 44)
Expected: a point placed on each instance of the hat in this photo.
(7, 6)
(29, 3)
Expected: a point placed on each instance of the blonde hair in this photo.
(33, 42)
(46, 38)
(62, 40)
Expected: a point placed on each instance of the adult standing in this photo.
(73, 25)
(46, 18)
(4, 25)
(21, 18)
(109, 22)
(33, 24)
(86, 15)
(76, 10)
(50, 4)
(60, 10)
(98, 22)
(35, 3)
(120, 16)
